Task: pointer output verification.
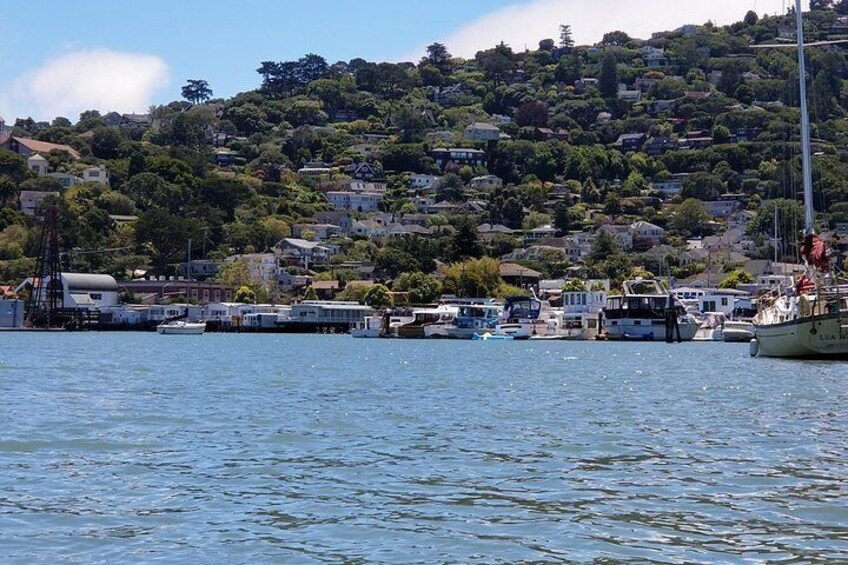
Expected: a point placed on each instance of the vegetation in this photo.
(223, 173)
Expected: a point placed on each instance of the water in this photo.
(324, 449)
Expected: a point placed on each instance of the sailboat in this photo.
(809, 320)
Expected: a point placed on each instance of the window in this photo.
(96, 296)
(724, 301)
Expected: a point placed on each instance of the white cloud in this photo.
(526, 23)
(98, 79)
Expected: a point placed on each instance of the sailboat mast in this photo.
(806, 150)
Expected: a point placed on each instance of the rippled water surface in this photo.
(128, 448)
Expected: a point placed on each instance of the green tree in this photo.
(569, 69)
(422, 289)
(689, 218)
(574, 285)
(615, 39)
(735, 278)
(310, 293)
(608, 79)
(438, 57)
(244, 295)
(378, 296)
(566, 40)
(562, 218)
(477, 277)
(196, 91)
(603, 247)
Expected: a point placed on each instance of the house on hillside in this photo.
(26, 147)
(480, 131)
(97, 174)
(365, 171)
(31, 201)
(66, 179)
(458, 156)
(486, 181)
(630, 141)
(646, 235)
(37, 164)
(621, 234)
(417, 180)
(548, 134)
(303, 253)
(659, 144)
(355, 201)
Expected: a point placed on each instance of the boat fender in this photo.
(754, 348)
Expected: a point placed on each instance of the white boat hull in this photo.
(628, 330)
(187, 328)
(738, 332)
(819, 337)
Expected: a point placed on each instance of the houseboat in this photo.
(474, 318)
(647, 311)
(428, 322)
(579, 317)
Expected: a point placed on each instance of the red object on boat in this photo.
(814, 250)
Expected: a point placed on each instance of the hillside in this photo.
(573, 161)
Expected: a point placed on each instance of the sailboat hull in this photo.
(810, 337)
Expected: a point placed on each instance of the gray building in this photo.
(11, 313)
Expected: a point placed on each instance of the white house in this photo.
(356, 201)
(486, 181)
(422, 181)
(315, 172)
(67, 179)
(302, 252)
(480, 131)
(37, 164)
(31, 200)
(261, 266)
(722, 208)
(647, 234)
(720, 300)
(96, 174)
(542, 232)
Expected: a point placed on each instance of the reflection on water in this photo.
(133, 447)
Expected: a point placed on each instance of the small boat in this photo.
(371, 327)
(712, 327)
(181, 327)
(492, 337)
(737, 331)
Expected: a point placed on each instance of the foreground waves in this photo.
(324, 449)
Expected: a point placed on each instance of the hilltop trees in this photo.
(284, 77)
(196, 91)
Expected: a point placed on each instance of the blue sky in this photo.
(60, 57)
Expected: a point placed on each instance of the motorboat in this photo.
(647, 311)
(428, 322)
(740, 326)
(522, 317)
(471, 319)
(712, 327)
(488, 336)
(738, 331)
(181, 327)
